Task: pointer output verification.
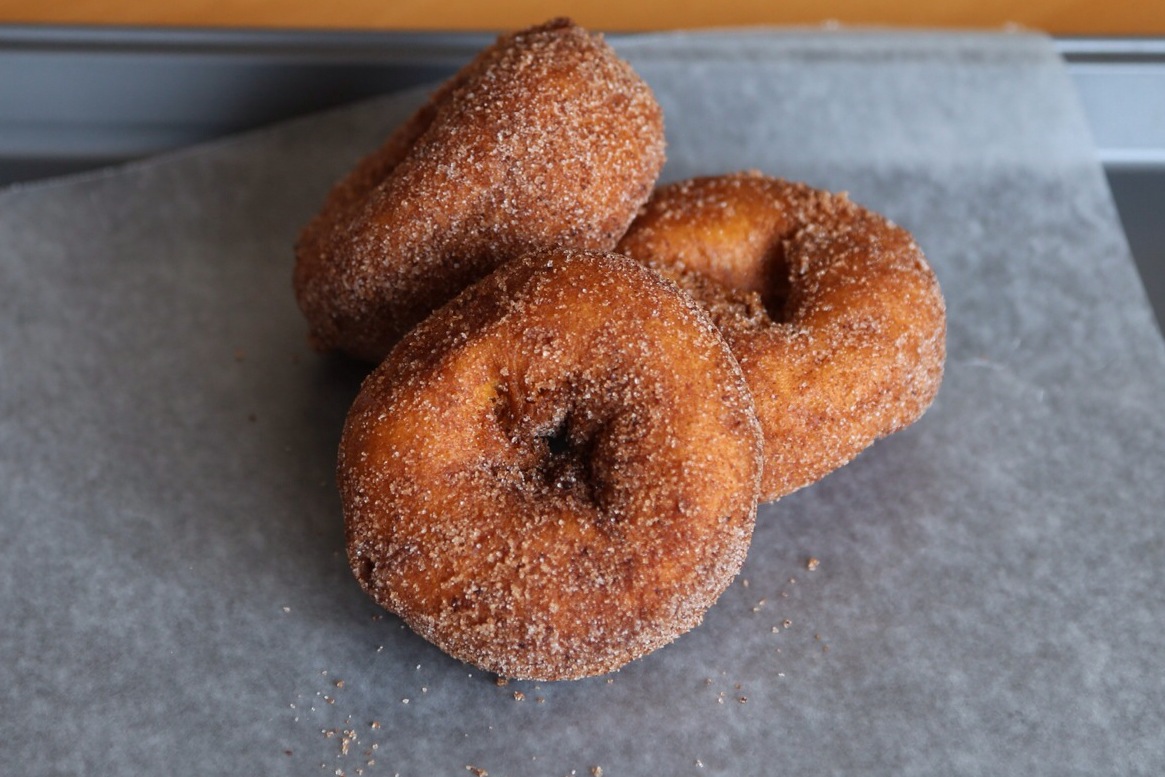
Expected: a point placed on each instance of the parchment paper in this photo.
(173, 593)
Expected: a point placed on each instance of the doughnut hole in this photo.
(554, 474)
(718, 245)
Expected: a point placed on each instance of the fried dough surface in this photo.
(545, 139)
(556, 473)
(833, 312)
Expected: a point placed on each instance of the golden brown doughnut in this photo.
(832, 311)
(555, 473)
(545, 139)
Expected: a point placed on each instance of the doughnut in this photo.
(545, 139)
(555, 473)
(832, 311)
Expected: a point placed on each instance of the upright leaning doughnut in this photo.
(545, 139)
(832, 311)
(555, 473)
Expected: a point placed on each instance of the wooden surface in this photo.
(1063, 17)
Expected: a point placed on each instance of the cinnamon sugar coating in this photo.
(545, 139)
(556, 473)
(832, 311)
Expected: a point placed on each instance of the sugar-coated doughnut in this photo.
(832, 311)
(545, 139)
(555, 473)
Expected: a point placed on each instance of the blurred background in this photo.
(1057, 17)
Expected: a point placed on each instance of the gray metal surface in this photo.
(1121, 83)
(74, 99)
